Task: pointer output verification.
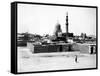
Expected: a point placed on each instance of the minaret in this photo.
(66, 25)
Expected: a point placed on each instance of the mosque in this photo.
(60, 36)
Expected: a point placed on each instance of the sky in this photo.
(42, 19)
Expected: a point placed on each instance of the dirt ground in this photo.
(28, 62)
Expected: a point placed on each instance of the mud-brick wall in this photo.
(48, 48)
(59, 48)
(66, 48)
(84, 49)
(90, 49)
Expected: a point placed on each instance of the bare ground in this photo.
(28, 62)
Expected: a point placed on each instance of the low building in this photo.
(87, 48)
(62, 47)
(48, 48)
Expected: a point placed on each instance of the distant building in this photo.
(58, 31)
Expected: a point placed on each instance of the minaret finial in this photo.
(67, 14)
(57, 20)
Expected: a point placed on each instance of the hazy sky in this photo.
(42, 19)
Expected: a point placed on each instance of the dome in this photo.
(57, 29)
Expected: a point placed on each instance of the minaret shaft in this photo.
(67, 25)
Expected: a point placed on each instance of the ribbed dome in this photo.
(57, 29)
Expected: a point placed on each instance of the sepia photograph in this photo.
(56, 37)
